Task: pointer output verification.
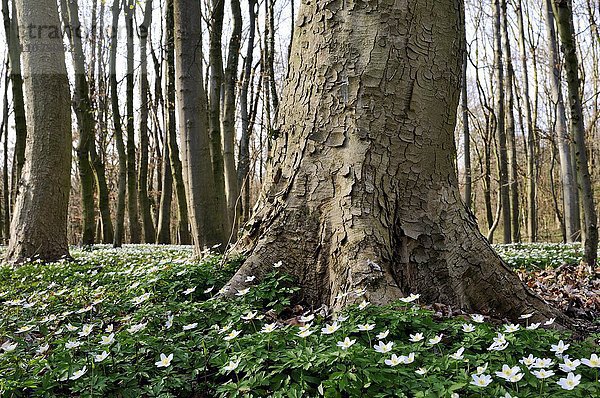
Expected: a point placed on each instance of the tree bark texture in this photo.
(39, 224)
(363, 189)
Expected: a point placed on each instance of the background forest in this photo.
(128, 151)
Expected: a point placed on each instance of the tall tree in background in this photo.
(215, 61)
(339, 208)
(132, 189)
(564, 19)
(85, 119)
(500, 125)
(148, 223)
(204, 213)
(120, 144)
(567, 168)
(228, 117)
(510, 128)
(39, 224)
(14, 52)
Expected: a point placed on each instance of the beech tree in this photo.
(39, 224)
(362, 191)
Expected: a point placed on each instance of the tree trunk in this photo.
(215, 59)
(466, 132)
(82, 106)
(144, 31)
(5, 216)
(564, 18)
(14, 55)
(114, 92)
(228, 119)
(531, 134)
(176, 166)
(132, 189)
(166, 194)
(510, 130)
(39, 224)
(244, 154)
(500, 125)
(195, 141)
(340, 208)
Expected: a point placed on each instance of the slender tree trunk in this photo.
(343, 212)
(564, 18)
(195, 139)
(132, 189)
(83, 108)
(243, 169)
(215, 58)
(14, 55)
(228, 119)
(144, 31)
(500, 125)
(39, 224)
(531, 134)
(114, 92)
(164, 215)
(4, 217)
(466, 132)
(176, 166)
(568, 182)
(510, 129)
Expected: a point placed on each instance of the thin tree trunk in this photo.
(132, 189)
(147, 221)
(14, 55)
(243, 169)
(500, 125)
(185, 237)
(83, 108)
(568, 182)
(195, 140)
(114, 92)
(510, 129)
(531, 134)
(564, 17)
(4, 216)
(228, 120)
(215, 59)
(39, 224)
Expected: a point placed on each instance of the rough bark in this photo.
(500, 125)
(14, 55)
(83, 108)
(4, 136)
(466, 132)
(176, 166)
(144, 200)
(192, 118)
(228, 119)
(363, 190)
(564, 18)
(39, 224)
(114, 92)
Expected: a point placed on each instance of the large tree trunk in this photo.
(82, 106)
(147, 222)
(114, 93)
(195, 142)
(466, 132)
(363, 190)
(39, 224)
(564, 18)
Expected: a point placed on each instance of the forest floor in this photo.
(146, 321)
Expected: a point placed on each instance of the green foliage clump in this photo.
(148, 322)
